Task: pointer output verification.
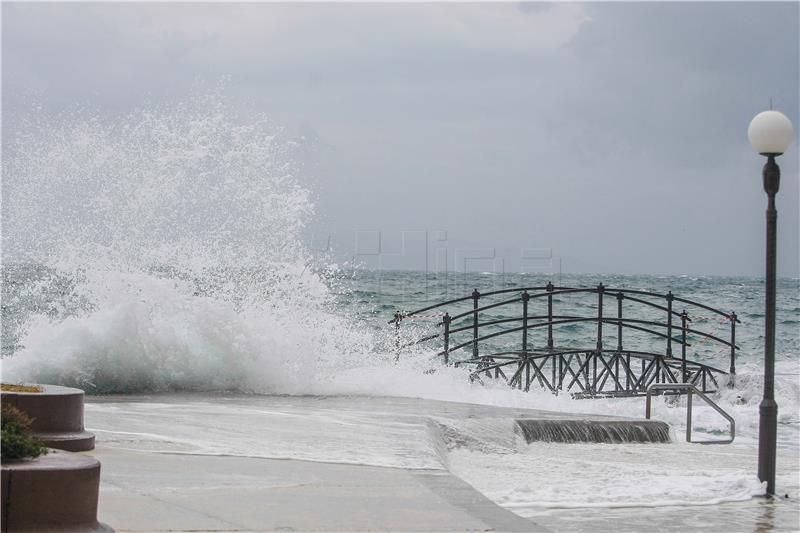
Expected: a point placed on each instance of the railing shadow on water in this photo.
(532, 336)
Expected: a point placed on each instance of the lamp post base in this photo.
(767, 434)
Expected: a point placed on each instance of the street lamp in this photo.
(770, 134)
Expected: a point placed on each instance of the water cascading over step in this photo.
(613, 431)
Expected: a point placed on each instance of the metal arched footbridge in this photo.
(597, 341)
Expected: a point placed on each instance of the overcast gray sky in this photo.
(614, 134)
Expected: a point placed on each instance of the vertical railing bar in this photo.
(600, 290)
(475, 296)
(620, 297)
(550, 315)
(670, 297)
(525, 298)
(446, 335)
(617, 384)
(733, 349)
(669, 334)
(684, 320)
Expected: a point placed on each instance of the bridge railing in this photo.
(480, 319)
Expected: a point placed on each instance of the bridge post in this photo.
(733, 347)
(670, 298)
(600, 290)
(525, 298)
(620, 297)
(664, 370)
(446, 335)
(684, 320)
(475, 296)
(550, 315)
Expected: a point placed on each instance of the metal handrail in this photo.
(691, 388)
(571, 320)
(625, 322)
(555, 291)
(563, 319)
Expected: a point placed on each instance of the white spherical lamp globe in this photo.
(770, 132)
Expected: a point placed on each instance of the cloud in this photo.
(566, 123)
(249, 28)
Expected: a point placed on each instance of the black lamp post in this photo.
(770, 134)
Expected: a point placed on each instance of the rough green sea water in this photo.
(167, 330)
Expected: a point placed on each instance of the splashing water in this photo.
(192, 186)
(173, 238)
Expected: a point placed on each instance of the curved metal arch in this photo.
(541, 292)
(729, 316)
(677, 328)
(571, 291)
(490, 306)
(651, 304)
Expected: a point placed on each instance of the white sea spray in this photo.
(174, 236)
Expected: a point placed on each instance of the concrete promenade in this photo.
(216, 462)
(143, 491)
